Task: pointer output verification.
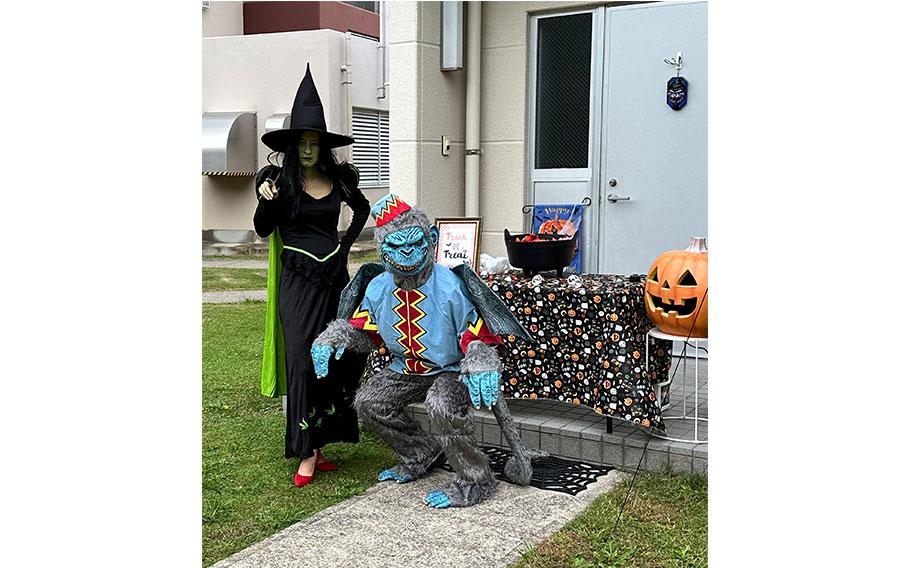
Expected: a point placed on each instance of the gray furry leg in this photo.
(380, 404)
(518, 467)
(449, 409)
(480, 357)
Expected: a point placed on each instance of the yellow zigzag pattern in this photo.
(368, 324)
(402, 325)
(387, 208)
(475, 327)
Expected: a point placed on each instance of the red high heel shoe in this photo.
(301, 480)
(325, 465)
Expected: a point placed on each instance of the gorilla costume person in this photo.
(441, 326)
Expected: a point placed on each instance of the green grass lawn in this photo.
(369, 255)
(217, 279)
(664, 524)
(247, 493)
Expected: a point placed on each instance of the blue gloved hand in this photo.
(483, 388)
(321, 355)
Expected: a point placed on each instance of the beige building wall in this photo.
(222, 19)
(261, 73)
(429, 103)
(504, 61)
(426, 104)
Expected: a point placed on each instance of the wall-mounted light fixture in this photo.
(452, 29)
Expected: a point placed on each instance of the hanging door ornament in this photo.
(677, 87)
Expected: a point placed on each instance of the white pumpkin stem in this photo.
(697, 244)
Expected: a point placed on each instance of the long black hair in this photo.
(291, 180)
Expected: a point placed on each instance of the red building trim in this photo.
(273, 17)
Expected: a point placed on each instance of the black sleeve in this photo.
(268, 212)
(358, 203)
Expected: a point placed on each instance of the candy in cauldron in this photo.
(544, 252)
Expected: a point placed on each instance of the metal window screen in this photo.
(563, 91)
(371, 147)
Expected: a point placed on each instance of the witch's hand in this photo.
(268, 190)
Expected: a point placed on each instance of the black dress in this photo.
(319, 411)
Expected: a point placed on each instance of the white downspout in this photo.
(472, 114)
(382, 90)
(346, 81)
(346, 154)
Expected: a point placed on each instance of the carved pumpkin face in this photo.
(674, 288)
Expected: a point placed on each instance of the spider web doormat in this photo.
(550, 473)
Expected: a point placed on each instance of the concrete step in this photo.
(579, 433)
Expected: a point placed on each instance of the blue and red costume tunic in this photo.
(428, 329)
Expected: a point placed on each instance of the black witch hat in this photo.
(307, 114)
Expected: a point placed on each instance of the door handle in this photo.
(613, 198)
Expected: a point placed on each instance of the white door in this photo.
(652, 155)
(564, 120)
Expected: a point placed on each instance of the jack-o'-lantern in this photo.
(675, 287)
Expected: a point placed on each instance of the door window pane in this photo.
(563, 91)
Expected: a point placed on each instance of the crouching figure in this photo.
(442, 328)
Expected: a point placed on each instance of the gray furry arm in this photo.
(340, 333)
(480, 358)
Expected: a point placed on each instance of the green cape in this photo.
(274, 371)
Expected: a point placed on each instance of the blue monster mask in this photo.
(407, 251)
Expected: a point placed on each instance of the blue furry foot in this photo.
(437, 499)
(392, 474)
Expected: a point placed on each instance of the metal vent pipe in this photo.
(472, 114)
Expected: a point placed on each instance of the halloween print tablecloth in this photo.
(588, 345)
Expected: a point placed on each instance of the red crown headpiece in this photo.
(387, 208)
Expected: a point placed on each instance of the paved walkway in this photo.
(389, 527)
(233, 263)
(233, 296)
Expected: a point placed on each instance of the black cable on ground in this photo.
(622, 507)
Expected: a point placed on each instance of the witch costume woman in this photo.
(307, 272)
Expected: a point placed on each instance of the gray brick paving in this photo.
(577, 432)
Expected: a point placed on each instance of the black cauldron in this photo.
(549, 253)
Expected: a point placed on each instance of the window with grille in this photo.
(563, 91)
(371, 147)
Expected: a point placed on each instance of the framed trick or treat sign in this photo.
(459, 241)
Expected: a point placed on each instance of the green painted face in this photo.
(308, 149)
